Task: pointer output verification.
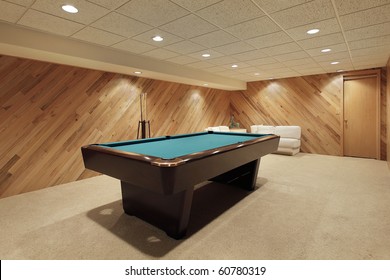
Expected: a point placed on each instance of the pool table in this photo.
(158, 175)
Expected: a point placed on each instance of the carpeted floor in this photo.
(306, 207)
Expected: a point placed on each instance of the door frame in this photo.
(362, 74)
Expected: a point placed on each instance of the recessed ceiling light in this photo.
(334, 62)
(69, 9)
(313, 31)
(157, 38)
(325, 50)
(341, 70)
(256, 74)
(206, 55)
(205, 84)
(234, 66)
(137, 72)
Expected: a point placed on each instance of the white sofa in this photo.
(218, 128)
(290, 137)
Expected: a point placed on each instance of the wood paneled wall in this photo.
(312, 102)
(48, 111)
(388, 111)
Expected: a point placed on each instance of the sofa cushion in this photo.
(263, 129)
(288, 131)
(289, 143)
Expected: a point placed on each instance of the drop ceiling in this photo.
(264, 38)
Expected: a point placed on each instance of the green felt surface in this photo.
(181, 145)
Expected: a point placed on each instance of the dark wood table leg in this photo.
(168, 212)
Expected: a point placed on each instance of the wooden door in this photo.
(361, 121)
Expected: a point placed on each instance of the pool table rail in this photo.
(162, 162)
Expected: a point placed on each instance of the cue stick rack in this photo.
(143, 124)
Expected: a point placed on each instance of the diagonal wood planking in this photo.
(49, 111)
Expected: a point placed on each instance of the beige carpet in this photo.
(306, 207)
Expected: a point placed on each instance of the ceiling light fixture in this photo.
(157, 38)
(70, 9)
(206, 55)
(234, 66)
(137, 72)
(313, 31)
(326, 50)
(334, 62)
(256, 74)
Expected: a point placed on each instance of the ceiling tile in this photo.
(368, 32)
(10, 12)
(366, 17)
(195, 5)
(269, 33)
(291, 56)
(184, 27)
(297, 62)
(304, 14)
(255, 54)
(87, 14)
(385, 50)
(200, 65)
(351, 6)
(234, 48)
(334, 48)
(133, 46)
(49, 23)
(311, 71)
(332, 57)
(109, 4)
(215, 69)
(215, 39)
(230, 12)
(271, 6)
(184, 47)
(322, 41)
(182, 59)
(276, 65)
(261, 61)
(146, 37)
(311, 65)
(249, 69)
(364, 62)
(158, 12)
(270, 40)
(213, 54)
(253, 28)
(370, 42)
(344, 63)
(363, 66)
(369, 58)
(24, 3)
(239, 66)
(282, 49)
(97, 36)
(284, 72)
(121, 25)
(222, 60)
(160, 54)
(327, 26)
